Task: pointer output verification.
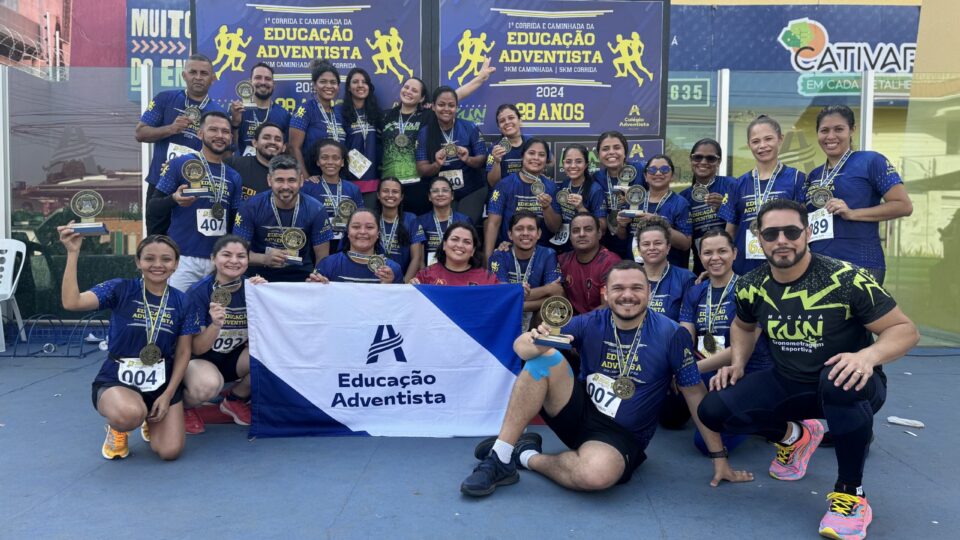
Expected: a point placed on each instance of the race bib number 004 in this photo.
(133, 372)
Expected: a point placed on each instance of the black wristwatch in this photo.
(717, 455)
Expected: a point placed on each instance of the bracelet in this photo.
(717, 455)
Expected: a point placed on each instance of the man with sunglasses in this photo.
(818, 314)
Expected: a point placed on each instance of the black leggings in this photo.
(763, 402)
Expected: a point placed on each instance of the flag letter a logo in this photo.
(386, 339)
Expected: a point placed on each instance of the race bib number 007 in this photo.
(600, 391)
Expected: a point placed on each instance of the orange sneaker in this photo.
(115, 445)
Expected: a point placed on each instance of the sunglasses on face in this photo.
(770, 234)
(663, 169)
(697, 158)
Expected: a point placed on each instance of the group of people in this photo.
(775, 313)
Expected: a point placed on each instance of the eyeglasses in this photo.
(770, 234)
(440, 190)
(697, 158)
(663, 169)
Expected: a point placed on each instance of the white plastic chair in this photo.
(9, 277)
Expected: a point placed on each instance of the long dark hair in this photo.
(371, 107)
(402, 234)
(476, 260)
(222, 243)
(435, 138)
(345, 242)
(587, 177)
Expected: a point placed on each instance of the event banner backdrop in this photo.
(380, 36)
(571, 67)
(158, 35)
(398, 360)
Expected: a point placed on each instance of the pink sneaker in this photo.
(791, 461)
(848, 517)
(236, 409)
(192, 422)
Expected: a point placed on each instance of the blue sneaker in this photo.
(489, 474)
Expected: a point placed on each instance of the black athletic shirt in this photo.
(819, 315)
(253, 173)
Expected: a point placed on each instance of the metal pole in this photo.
(723, 117)
(146, 149)
(6, 182)
(866, 110)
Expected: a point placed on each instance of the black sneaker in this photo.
(528, 441)
(489, 474)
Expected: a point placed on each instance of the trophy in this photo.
(627, 174)
(87, 205)
(345, 209)
(193, 113)
(555, 311)
(245, 92)
(293, 240)
(194, 172)
(699, 192)
(635, 197)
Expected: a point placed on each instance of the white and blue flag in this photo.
(398, 360)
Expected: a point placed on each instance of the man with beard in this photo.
(267, 144)
(288, 231)
(818, 314)
(246, 121)
(197, 221)
(585, 268)
(172, 120)
(607, 416)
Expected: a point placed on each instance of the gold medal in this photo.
(819, 196)
(294, 239)
(755, 228)
(375, 262)
(150, 354)
(221, 296)
(563, 197)
(699, 192)
(193, 113)
(505, 144)
(624, 388)
(537, 187)
(450, 149)
(710, 343)
(218, 211)
(401, 141)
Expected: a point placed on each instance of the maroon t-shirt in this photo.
(582, 282)
(437, 274)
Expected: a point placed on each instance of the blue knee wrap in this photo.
(539, 367)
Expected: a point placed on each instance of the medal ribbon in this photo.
(646, 203)
(186, 101)
(152, 323)
(388, 240)
(221, 180)
(522, 277)
(829, 175)
(766, 192)
(330, 120)
(256, 118)
(276, 214)
(653, 293)
(330, 195)
(626, 364)
(401, 123)
(440, 231)
(711, 311)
